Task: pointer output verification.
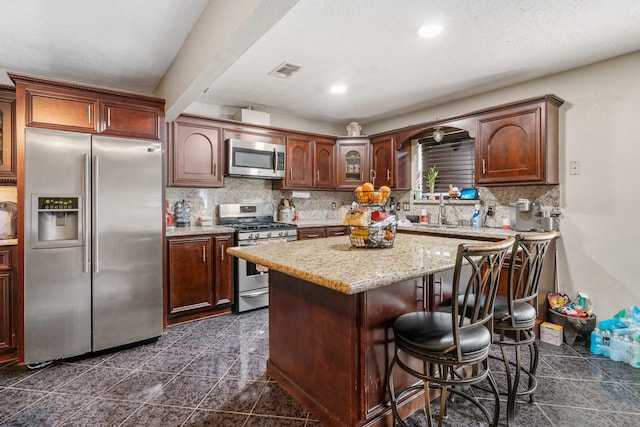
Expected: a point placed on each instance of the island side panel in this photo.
(313, 343)
(382, 306)
(331, 350)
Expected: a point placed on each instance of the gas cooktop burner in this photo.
(260, 226)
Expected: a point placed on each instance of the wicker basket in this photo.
(373, 236)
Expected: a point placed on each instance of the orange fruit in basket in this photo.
(367, 187)
(385, 191)
(376, 197)
(388, 235)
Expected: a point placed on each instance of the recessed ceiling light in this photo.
(430, 30)
(338, 89)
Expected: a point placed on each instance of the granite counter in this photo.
(197, 230)
(333, 263)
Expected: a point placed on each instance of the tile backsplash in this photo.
(318, 206)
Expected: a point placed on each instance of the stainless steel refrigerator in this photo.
(93, 243)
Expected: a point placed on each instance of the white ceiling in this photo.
(369, 45)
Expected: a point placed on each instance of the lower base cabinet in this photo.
(199, 277)
(305, 233)
(8, 306)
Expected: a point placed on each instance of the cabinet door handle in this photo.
(388, 175)
(108, 117)
(312, 236)
(215, 169)
(89, 115)
(439, 293)
(204, 253)
(318, 175)
(484, 167)
(291, 174)
(222, 252)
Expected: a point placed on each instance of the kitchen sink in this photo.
(436, 226)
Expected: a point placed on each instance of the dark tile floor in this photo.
(212, 373)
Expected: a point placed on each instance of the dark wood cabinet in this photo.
(337, 230)
(223, 296)
(299, 162)
(76, 108)
(8, 306)
(7, 135)
(390, 166)
(200, 281)
(310, 162)
(324, 163)
(519, 144)
(137, 121)
(195, 154)
(352, 164)
(305, 233)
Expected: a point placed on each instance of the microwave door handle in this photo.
(275, 160)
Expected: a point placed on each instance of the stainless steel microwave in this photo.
(255, 159)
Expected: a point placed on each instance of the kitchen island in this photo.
(331, 307)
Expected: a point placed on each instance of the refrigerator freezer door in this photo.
(127, 241)
(57, 290)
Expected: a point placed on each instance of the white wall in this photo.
(601, 207)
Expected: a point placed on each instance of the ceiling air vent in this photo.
(285, 70)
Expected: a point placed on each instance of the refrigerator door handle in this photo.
(94, 212)
(85, 219)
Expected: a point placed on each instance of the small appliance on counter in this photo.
(286, 211)
(525, 215)
(182, 214)
(8, 220)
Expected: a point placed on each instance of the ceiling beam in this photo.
(225, 30)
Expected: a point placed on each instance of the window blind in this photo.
(454, 160)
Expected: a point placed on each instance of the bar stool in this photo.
(514, 316)
(435, 347)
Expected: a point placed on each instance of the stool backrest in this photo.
(476, 295)
(527, 259)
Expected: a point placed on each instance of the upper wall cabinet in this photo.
(75, 108)
(7, 135)
(390, 166)
(310, 162)
(353, 162)
(518, 143)
(194, 153)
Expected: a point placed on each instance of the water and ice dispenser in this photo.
(57, 221)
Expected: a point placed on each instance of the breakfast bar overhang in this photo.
(331, 307)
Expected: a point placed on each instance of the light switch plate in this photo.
(405, 206)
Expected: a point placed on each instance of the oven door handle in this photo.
(254, 294)
(241, 243)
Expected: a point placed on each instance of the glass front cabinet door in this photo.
(353, 162)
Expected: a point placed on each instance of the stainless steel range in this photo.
(254, 225)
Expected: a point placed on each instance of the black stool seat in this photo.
(523, 313)
(430, 332)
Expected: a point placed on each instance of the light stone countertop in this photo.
(333, 263)
(197, 230)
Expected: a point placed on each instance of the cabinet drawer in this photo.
(61, 112)
(312, 233)
(5, 259)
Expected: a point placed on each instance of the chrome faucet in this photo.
(442, 217)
